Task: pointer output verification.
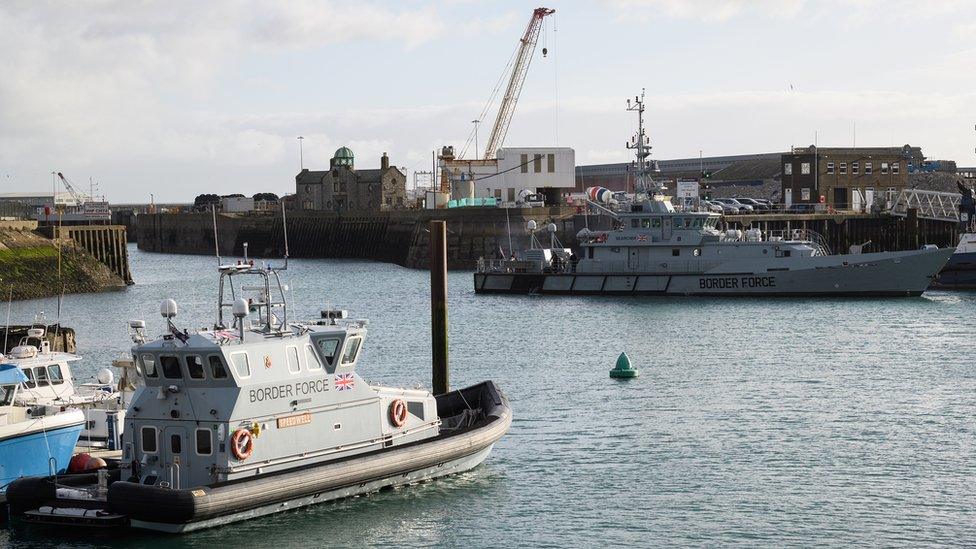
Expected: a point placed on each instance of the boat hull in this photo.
(176, 511)
(867, 275)
(26, 447)
(959, 273)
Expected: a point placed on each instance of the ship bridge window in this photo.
(634, 223)
(656, 223)
(30, 383)
(217, 369)
(698, 222)
(194, 366)
(688, 221)
(171, 367)
(148, 436)
(311, 361)
(204, 442)
(149, 365)
(678, 222)
(40, 373)
(645, 223)
(328, 347)
(291, 354)
(54, 372)
(352, 349)
(241, 364)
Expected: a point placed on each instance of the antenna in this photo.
(213, 210)
(284, 228)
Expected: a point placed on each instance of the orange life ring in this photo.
(242, 444)
(398, 412)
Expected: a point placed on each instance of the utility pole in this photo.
(476, 123)
(301, 153)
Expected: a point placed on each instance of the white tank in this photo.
(105, 376)
(733, 234)
(754, 235)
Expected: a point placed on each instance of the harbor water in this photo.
(753, 422)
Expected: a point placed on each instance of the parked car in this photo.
(740, 207)
(713, 207)
(725, 208)
(758, 206)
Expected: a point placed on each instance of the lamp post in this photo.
(301, 153)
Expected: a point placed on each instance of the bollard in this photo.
(438, 306)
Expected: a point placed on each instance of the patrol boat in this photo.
(651, 249)
(260, 414)
(960, 272)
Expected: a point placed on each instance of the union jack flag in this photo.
(344, 382)
(642, 238)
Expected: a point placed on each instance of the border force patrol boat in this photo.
(653, 249)
(960, 272)
(259, 414)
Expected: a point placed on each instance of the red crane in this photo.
(519, 70)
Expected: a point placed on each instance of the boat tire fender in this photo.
(398, 412)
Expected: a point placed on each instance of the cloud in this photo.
(848, 13)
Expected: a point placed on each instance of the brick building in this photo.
(343, 188)
(846, 178)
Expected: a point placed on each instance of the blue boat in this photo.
(34, 440)
(960, 272)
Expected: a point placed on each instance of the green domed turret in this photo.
(343, 157)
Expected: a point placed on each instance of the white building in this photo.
(237, 204)
(548, 171)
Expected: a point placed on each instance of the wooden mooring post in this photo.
(438, 306)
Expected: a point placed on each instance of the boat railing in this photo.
(813, 238)
(507, 266)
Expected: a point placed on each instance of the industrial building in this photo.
(514, 173)
(847, 178)
(343, 188)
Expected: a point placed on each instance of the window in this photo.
(171, 367)
(698, 222)
(148, 436)
(855, 166)
(895, 168)
(217, 369)
(884, 167)
(634, 223)
(788, 169)
(687, 222)
(176, 444)
(551, 163)
(525, 163)
(676, 252)
(352, 349)
(830, 168)
(805, 194)
(292, 356)
(54, 372)
(204, 442)
(868, 168)
(194, 366)
(40, 373)
(656, 222)
(328, 348)
(843, 168)
(241, 364)
(30, 383)
(149, 365)
(677, 223)
(645, 222)
(805, 168)
(537, 163)
(311, 361)
(335, 186)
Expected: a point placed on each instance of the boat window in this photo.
(634, 223)
(217, 369)
(40, 373)
(204, 442)
(194, 366)
(677, 222)
(311, 361)
(676, 252)
(54, 372)
(328, 347)
(352, 349)
(645, 223)
(171, 367)
(698, 222)
(30, 384)
(6, 394)
(149, 365)
(292, 356)
(176, 444)
(148, 435)
(688, 222)
(241, 364)
(656, 223)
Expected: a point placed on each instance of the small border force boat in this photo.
(960, 272)
(263, 415)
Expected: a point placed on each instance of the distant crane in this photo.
(77, 196)
(519, 70)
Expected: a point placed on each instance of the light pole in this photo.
(301, 153)
(476, 123)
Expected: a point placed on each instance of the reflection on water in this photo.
(754, 421)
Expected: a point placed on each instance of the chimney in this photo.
(384, 162)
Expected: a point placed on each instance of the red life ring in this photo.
(242, 444)
(398, 412)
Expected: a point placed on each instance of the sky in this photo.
(179, 98)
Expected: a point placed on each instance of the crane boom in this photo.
(78, 197)
(507, 107)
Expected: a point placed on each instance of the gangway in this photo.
(936, 205)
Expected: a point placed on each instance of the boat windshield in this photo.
(7, 394)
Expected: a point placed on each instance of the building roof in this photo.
(343, 152)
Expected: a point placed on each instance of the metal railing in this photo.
(930, 204)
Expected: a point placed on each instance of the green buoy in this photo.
(622, 369)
